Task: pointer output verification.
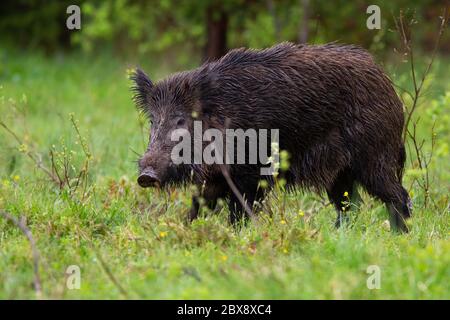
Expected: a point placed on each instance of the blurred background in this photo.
(185, 33)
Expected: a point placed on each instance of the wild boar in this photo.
(337, 113)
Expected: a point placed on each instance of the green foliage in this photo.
(141, 27)
(35, 23)
(135, 27)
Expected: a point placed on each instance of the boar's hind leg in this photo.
(342, 194)
(387, 187)
(399, 210)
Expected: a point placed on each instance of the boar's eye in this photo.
(181, 122)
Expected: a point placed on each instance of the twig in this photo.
(407, 43)
(21, 225)
(55, 169)
(237, 194)
(423, 161)
(109, 273)
(226, 174)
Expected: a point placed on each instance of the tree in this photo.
(216, 30)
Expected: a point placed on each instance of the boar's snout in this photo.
(148, 178)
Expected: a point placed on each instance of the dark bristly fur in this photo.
(338, 115)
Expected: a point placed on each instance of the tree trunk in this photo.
(276, 21)
(304, 28)
(217, 25)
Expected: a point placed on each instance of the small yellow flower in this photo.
(263, 184)
(285, 250)
(283, 221)
(163, 234)
(16, 178)
(345, 194)
(23, 148)
(301, 213)
(224, 258)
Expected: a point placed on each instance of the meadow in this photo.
(73, 116)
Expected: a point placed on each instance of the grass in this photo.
(133, 243)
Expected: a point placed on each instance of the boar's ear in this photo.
(142, 89)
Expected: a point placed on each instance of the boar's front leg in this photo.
(195, 209)
(343, 193)
(211, 193)
(250, 193)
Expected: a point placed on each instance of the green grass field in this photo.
(134, 243)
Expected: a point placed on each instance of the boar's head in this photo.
(169, 105)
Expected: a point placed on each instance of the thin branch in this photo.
(55, 169)
(109, 273)
(407, 42)
(423, 160)
(226, 174)
(22, 226)
(235, 190)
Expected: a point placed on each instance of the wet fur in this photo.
(338, 115)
